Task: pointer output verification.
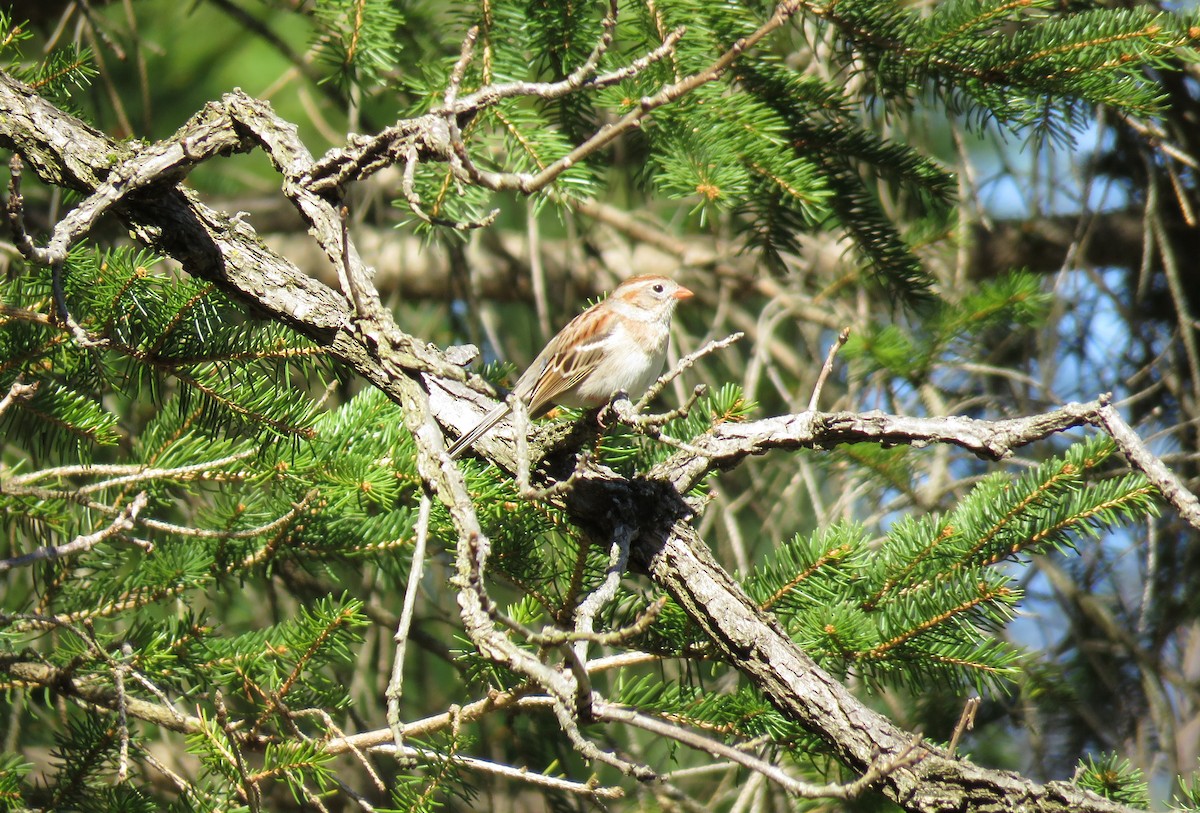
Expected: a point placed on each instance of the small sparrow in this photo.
(618, 345)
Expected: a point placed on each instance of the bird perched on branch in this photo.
(617, 345)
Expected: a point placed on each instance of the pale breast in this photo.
(630, 365)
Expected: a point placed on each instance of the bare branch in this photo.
(125, 475)
(618, 559)
(827, 368)
(1166, 481)
(122, 716)
(52, 257)
(19, 391)
(966, 721)
(490, 95)
(586, 789)
(528, 182)
(124, 521)
(15, 209)
(878, 770)
(416, 568)
(685, 363)
(409, 191)
(460, 67)
(625, 411)
(727, 443)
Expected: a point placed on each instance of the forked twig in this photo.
(19, 391)
(629, 413)
(966, 721)
(685, 363)
(53, 257)
(529, 182)
(879, 769)
(124, 521)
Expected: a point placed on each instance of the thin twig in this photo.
(127, 473)
(827, 368)
(508, 772)
(122, 715)
(9, 312)
(1166, 481)
(82, 337)
(20, 485)
(408, 189)
(683, 364)
(520, 423)
(332, 728)
(124, 521)
(395, 687)
(529, 183)
(478, 613)
(1154, 134)
(645, 619)
(966, 722)
(249, 787)
(15, 209)
(651, 425)
(583, 464)
(465, 53)
(627, 412)
(879, 769)
(54, 256)
(537, 269)
(185, 787)
(369, 155)
(618, 560)
(345, 278)
(491, 94)
(1179, 297)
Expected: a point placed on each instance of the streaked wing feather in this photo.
(561, 370)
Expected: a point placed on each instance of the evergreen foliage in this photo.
(273, 503)
(1114, 778)
(921, 607)
(946, 330)
(358, 39)
(56, 75)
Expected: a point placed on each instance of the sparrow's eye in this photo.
(658, 288)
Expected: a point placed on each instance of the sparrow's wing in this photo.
(563, 363)
(568, 359)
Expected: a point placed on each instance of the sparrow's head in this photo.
(652, 293)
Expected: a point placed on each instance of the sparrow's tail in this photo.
(489, 420)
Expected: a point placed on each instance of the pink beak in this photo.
(682, 293)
